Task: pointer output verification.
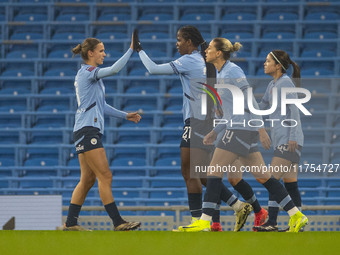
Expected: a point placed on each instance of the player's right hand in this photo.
(134, 117)
(210, 138)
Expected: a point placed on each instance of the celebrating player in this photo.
(192, 66)
(88, 130)
(288, 140)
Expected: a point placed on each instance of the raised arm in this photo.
(152, 67)
(116, 67)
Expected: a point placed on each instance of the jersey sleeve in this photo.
(238, 78)
(183, 64)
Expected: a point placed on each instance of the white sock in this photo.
(206, 217)
(293, 211)
(237, 206)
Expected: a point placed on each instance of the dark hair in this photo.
(193, 34)
(87, 44)
(285, 61)
(224, 45)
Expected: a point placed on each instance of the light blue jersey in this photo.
(191, 68)
(279, 133)
(232, 74)
(90, 94)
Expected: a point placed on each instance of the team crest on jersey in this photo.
(93, 141)
(90, 69)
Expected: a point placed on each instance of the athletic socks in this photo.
(195, 204)
(273, 206)
(216, 215)
(280, 194)
(114, 214)
(294, 193)
(227, 196)
(248, 194)
(212, 195)
(273, 210)
(73, 214)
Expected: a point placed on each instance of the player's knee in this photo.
(234, 181)
(88, 182)
(105, 177)
(262, 180)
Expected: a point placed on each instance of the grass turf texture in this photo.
(152, 242)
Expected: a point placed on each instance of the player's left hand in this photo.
(292, 146)
(134, 117)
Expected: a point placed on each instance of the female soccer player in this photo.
(287, 141)
(88, 130)
(192, 66)
(238, 141)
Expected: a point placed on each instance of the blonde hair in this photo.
(226, 46)
(87, 44)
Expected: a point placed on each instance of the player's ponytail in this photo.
(87, 44)
(224, 45)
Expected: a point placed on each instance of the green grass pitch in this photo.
(153, 242)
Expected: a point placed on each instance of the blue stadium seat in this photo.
(31, 14)
(175, 87)
(10, 121)
(109, 34)
(39, 137)
(115, 14)
(197, 15)
(131, 152)
(168, 162)
(319, 15)
(173, 136)
(142, 87)
(68, 33)
(24, 51)
(173, 121)
(140, 104)
(162, 15)
(126, 137)
(317, 53)
(174, 104)
(60, 69)
(275, 14)
(15, 87)
(49, 121)
(233, 16)
(320, 35)
(53, 105)
(57, 87)
(13, 105)
(128, 162)
(9, 137)
(153, 32)
(26, 32)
